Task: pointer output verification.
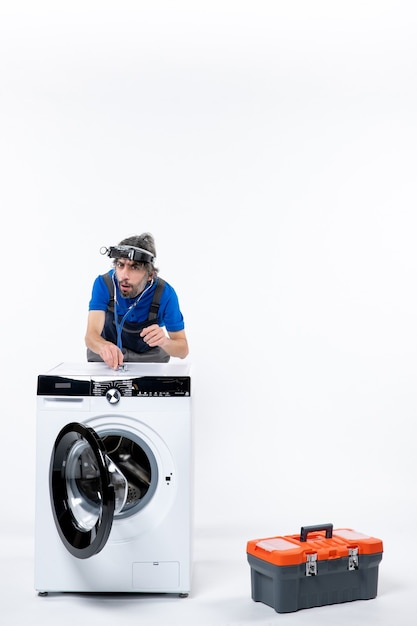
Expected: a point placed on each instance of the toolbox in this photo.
(319, 566)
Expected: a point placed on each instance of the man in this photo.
(133, 314)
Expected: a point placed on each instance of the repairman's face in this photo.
(131, 276)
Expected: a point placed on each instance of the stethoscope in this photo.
(119, 325)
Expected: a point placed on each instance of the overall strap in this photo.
(153, 311)
(110, 287)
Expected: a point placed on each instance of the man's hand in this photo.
(154, 335)
(111, 355)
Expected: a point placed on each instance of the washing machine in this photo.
(114, 479)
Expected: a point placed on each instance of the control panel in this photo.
(143, 386)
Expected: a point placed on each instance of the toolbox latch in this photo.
(311, 565)
(353, 562)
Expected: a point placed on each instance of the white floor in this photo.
(221, 594)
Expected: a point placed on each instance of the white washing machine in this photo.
(114, 479)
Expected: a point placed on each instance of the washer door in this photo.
(85, 491)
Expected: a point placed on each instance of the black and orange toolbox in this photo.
(319, 566)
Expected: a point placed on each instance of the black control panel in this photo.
(143, 386)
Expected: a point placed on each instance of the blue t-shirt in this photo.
(169, 314)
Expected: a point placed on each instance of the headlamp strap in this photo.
(128, 252)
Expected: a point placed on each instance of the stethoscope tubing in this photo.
(119, 325)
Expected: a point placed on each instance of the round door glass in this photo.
(83, 484)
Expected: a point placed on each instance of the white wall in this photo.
(270, 147)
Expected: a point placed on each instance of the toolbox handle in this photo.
(314, 529)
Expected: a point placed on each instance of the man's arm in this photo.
(174, 344)
(108, 351)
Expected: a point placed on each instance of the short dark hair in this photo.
(146, 242)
